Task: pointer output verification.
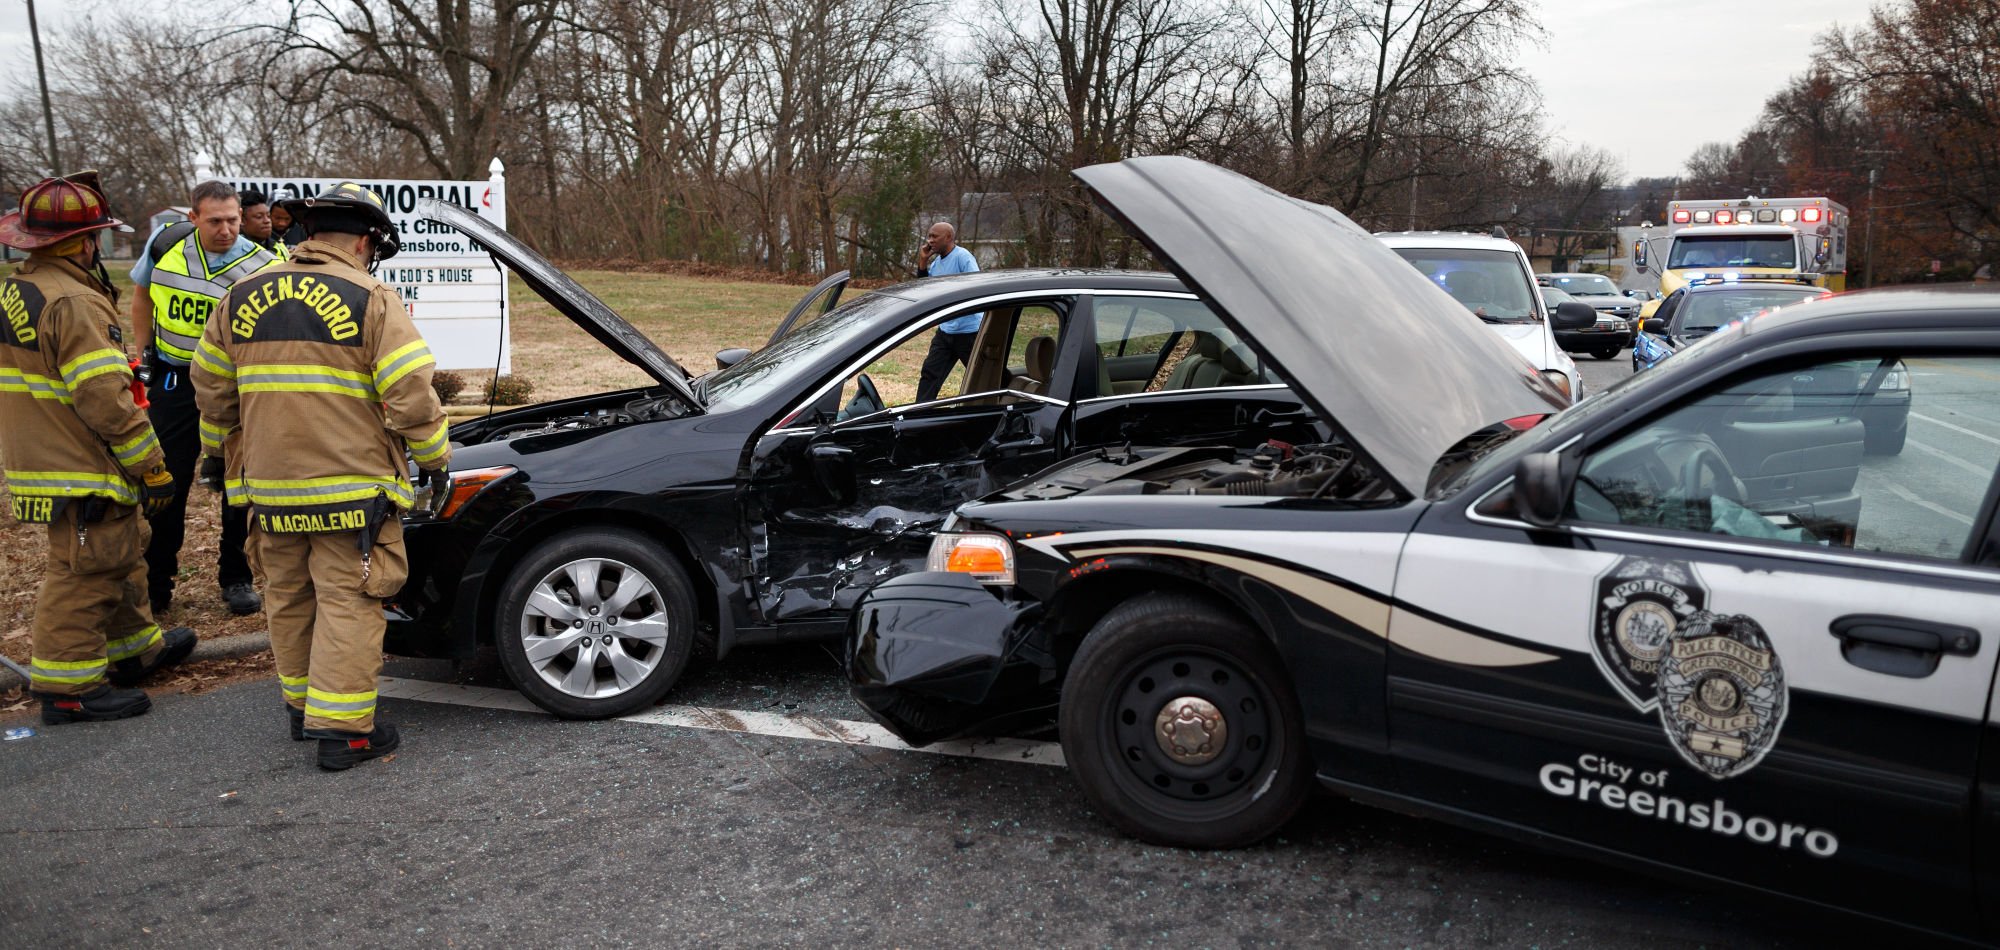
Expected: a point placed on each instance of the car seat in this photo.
(1041, 361)
(1213, 362)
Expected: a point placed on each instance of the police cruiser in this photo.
(1688, 625)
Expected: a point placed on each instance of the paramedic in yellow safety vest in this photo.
(181, 271)
(317, 380)
(80, 458)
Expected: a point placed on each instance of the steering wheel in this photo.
(1707, 459)
(867, 399)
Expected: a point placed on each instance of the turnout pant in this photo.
(177, 422)
(92, 608)
(324, 606)
(946, 350)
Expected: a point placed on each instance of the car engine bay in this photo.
(1274, 469)
(650, 408)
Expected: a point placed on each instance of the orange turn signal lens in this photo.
(989, 558)
(469, 483)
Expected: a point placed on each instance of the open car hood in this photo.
(1402, 370)
(567, 296)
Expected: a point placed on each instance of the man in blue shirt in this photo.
(952, 344)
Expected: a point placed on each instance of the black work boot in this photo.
(242, 599)
(102, 704)
(354, 749)
(175, 645)
(297, 717)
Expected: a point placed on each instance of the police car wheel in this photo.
(596, 623)
(1179, 722)
(1881, 440)
(1607, 354)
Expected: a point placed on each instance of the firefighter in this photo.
(181, 272)
(318, 381)
(81, 458)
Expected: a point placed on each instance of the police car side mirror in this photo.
(1575, 315)
(1653, 325)
(1540, 490)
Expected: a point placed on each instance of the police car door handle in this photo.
(1899, 646)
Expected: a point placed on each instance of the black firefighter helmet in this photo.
(348, 208)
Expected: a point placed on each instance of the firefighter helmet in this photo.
(347, 208)
(56, 209)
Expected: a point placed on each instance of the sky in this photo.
(1650, 80)
(1646, 80)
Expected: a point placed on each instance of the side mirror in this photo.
(1653, 325)
(1823, 253)
(1631, 293)
(833, 466)
(1639, 255)
(1539, 489)
(1575, 315)
(724, 359)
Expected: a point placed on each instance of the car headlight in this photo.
(465, 486)
(989, 558)
(1556, 379)
(1897, 377)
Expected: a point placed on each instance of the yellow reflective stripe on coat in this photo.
(71, 484)
(93, 364)
(66, 672)
(327, 705)
(124, 648)
(210, 357)
(401, 362)
(304, 378)
(212, 435)
(129, 452)
(41, 387)
(296, 492)
(433, 448)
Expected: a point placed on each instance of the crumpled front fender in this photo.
(935, 655)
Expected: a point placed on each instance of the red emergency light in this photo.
(1722, 217)
(1681, 217)
(1809, 215)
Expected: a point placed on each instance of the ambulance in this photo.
(1745, 237)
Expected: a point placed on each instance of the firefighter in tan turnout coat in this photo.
(318, 381)
(81, 458)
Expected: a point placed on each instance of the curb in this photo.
(223, 648)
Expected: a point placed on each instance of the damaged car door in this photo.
(848, 489)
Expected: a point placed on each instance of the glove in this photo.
(438, 480)
(210, 474)
(159, 491)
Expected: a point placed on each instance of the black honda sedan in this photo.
(598, 541)
(1687, 625)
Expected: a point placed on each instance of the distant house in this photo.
(991, 224)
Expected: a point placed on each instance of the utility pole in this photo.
(42, 74)
(1868, 231)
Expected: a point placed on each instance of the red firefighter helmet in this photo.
(56, 209)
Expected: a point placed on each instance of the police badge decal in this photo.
(1722, 693)
(1640, 603)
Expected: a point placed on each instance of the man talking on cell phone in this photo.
(952, 343)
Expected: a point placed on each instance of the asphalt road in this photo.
(202, 824)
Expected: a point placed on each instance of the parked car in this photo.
(596, 542)
(1491, 277)
(1685, 626)
(1616, 314)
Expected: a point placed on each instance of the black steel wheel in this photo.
(1607, 354)
(1180, 723)
(596, 622)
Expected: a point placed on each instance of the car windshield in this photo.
(1729, 250)
(1585, 284)
(1707, 311)
(1489, 283)
(779, 366)
(1552, 296)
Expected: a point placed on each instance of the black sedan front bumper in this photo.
(1609, 332)
(934, 656)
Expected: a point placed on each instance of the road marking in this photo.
(842, 731)
(1911, 497)
(1981, 436)
(1953, 459)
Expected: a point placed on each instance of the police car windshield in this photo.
(784, 365)
(1490, 283)
(1729, 250)
(1707, 311)
(1596, 284)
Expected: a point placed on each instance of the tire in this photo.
(1145, 656)
(1610, 354)
(613, 663)
(1877, 441)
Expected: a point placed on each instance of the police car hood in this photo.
(567, 296)
(1387, 357)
